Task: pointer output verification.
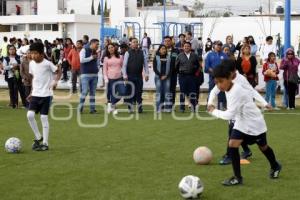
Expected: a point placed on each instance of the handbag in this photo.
(294, 78)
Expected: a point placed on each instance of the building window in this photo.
(5, 28)
(54, 27)
(43, 27)
(47, 27)
(18, 27)
(32, 27)
(40, 27)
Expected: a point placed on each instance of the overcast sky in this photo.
(244, 5)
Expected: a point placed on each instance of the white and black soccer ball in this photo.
(190, 187)
(13, 145)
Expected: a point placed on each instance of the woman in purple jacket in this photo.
(290, 75)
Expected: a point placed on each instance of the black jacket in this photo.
(252, 74)
(185, 66)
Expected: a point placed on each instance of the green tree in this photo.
(93, 8)
(99, 9)
(106, 11)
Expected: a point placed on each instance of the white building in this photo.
(46, 19)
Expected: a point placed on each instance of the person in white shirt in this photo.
(266, 49)
(249, 127)
(146, 44)
(243, 82)
(24, 48)
(193, 41)
(39, 99)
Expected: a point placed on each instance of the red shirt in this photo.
(272, 66)
(74, 59)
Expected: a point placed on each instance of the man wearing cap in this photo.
(214, 58)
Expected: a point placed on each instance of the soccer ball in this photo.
(13, 145)
(202, 155)
(190, 187)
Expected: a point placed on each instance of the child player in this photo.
(243, 82)
(249, 127)
(42, 72)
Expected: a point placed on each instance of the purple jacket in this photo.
(290, 66)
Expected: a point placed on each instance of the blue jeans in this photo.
(146, 51)
(88, 85)
(271, 92)
(115, 89)
(222, 102)
(163, 96)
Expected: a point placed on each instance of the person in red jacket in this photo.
(270, 72)
(68, 46)
(74, 60)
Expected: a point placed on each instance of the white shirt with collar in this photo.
(241, 107)
(188, 55)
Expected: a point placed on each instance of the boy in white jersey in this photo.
(243, 82)
(249, 127)
(39, 99)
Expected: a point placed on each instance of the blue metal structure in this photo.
(194, 27)
(287, 25)
(177, 28)
(136, 28)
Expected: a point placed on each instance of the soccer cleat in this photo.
(274, 173)
(93, 111)
(140, 109)
(36, 143)
(246, 154)
(43, 147)
(225, 160)
(181, 110)
(233, 181)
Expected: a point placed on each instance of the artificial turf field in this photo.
(140, 159)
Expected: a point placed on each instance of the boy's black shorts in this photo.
(260, 140)
(40, 105)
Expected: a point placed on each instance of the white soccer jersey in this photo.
(243, 82)
(242, 108)
(42, 78)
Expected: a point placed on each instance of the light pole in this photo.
(102, 24)
(165, 20)
(287, 25)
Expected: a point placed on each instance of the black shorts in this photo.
(260, 140)
(40, 105)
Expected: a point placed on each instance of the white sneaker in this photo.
(115, 112)
(109, 108)
(276, 108)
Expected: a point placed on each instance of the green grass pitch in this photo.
(140, 159)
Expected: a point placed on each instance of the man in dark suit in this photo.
(187, 64)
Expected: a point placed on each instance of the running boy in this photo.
(249, 126)
(244, 83)
(39, 99)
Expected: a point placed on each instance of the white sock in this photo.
(33, 124)
(45, 124)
